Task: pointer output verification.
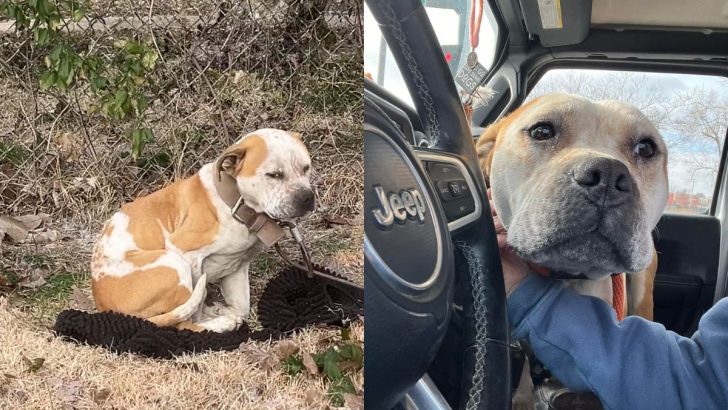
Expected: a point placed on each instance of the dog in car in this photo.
(579, 186)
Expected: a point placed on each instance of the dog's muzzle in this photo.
(584, 219)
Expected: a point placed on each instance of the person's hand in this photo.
(515, 269)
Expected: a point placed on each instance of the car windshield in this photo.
(461, 26)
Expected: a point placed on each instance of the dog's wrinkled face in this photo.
(272, 169)
(579, 185)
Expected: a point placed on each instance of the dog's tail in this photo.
(185, 310)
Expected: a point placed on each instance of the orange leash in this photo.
(618, 289)
(618, 293)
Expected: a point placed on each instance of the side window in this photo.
(690, 111)
(451, 22)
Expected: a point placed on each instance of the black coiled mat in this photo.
(290, 301)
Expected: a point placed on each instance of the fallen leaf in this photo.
(48, 236)
(266, 360)
(285, 348)
(14, 229)
(353, 402)
(81, 301)
(310, 364)
(348, 365)
(35, 364)
(35, 280)
(335, 220)
(100, 396)
(30, 221)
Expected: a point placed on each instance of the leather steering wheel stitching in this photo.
(478, 293)
(423, 91)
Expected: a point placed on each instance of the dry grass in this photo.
(79, 377)
(231, 71)
(214, 380)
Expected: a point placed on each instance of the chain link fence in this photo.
(202, 74)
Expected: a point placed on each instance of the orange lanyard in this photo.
(475, 20)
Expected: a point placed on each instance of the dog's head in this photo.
(272, 169)
(579, 185)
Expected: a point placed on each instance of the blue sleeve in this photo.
(633, 364)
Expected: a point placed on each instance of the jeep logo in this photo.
(409, 204)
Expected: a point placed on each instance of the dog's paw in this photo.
(221, 324)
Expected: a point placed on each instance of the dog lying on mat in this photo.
(158, 253)
(579, 186)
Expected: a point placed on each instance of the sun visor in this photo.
(557, 22)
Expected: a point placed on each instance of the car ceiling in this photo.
(696, 14)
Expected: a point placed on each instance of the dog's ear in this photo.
(230, 161)
(485, 147)
(296, 135)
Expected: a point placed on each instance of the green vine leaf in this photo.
(47, 79)
(139, 138)
(117, 81)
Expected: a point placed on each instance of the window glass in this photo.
(690, 111)
(451, 22)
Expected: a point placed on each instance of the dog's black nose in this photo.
(306, 200)
(607, 181)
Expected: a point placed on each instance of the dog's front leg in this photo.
(236, 291)
(229, 316)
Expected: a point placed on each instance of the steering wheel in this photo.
(432, 265)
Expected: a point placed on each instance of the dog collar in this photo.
(263, 226)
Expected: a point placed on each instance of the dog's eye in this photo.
(645, 148)
(306, 168)
(542, 131)
(275, 175)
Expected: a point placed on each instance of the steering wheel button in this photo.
(463, 186)
(454, 188)
(439, 171)
(443, 190)
(458, 208)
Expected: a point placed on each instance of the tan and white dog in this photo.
(158, 253)
(579, 186)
